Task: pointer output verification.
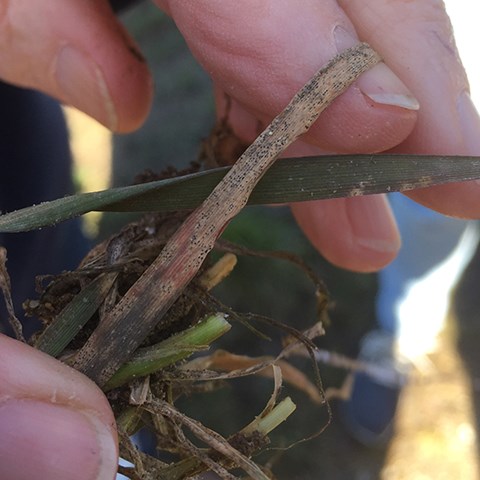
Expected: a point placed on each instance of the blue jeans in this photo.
(35, 167)
(432, 245)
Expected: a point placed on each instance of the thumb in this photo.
(78, 53)
(54, 422)
(261, 53)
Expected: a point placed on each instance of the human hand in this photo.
(56, 423)
(260, 54)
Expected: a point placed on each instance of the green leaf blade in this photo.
(75, 315)
(179, 346)
(289, 180)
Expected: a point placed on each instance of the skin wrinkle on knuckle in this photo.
(244, 55)
(378, 20)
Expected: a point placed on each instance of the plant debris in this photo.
(120, 332)
(6, 287)
(138, 308)
(144, 390)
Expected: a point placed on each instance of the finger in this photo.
(354, 233)
(54, 422)
(357, 233)
(261, 53)
(79, 53)
(416, 40)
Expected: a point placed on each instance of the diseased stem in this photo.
(124, 329)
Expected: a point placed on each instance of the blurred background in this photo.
(437, 424)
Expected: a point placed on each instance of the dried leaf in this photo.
(226, 361)
(211, 438)
(7, 295)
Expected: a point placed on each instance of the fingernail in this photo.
(84, 86)
(41, 440)
(373, 224)
(379, 83)
(470, 124)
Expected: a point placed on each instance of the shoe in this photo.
(368, 415)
